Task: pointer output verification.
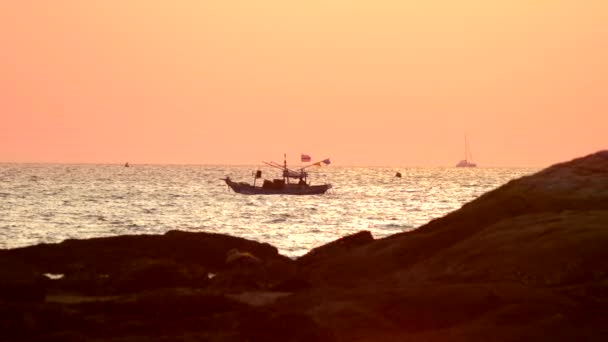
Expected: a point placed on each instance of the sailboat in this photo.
(468, 156)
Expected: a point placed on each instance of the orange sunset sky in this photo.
(363, 82)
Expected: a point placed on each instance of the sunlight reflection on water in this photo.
(51, 203)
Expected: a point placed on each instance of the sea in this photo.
(49, 203)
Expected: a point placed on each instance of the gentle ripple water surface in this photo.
(51, 203)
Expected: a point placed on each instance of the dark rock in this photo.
(143, 274)
(234, 257)
(284, 327)
(339, 247)
(65, 336)
(243, 276)
(20, 282)
(104, 255)
(103, 266)
(544, 249)
(293, 284)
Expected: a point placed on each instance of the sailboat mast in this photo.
(466, 148)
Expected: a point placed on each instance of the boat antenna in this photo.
(285, 171)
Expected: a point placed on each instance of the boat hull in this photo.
(287, 189)
(466, 163)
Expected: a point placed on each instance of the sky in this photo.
(361, 82)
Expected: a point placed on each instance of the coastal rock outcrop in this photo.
(524, 261)
(123, 264)
(578, 188)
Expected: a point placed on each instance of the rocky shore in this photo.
(527, 261)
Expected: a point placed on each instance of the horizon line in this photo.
(131, 164)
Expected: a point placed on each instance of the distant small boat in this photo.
(281, 186)
(468, 156)
(127, 164)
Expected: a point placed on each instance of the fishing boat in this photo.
(468, 156)
(293, 182)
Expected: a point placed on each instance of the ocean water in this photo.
(50, 203)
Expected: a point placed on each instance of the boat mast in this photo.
(285, 171)
(466, 148)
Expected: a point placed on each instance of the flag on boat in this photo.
(305, 158)
(324, 161)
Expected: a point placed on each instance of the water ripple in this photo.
(51, 203)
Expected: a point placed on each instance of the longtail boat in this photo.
(281, 186)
